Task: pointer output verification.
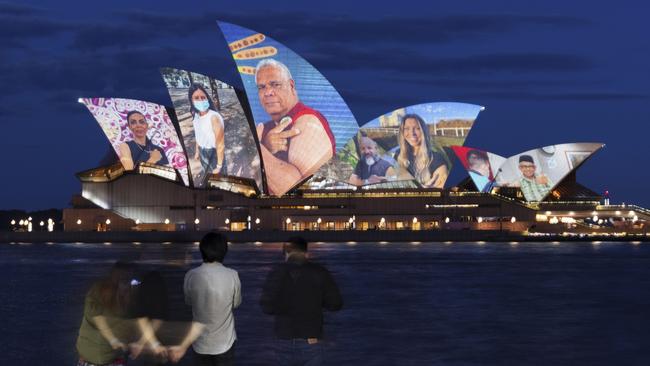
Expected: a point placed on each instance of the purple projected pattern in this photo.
(111, 113)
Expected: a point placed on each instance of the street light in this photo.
(196, 221)
(447, 220)
(479, 219)
(257, 221)
(513, 219)
(288, 222)
(137, 221)
(22, 222)
(13, 222)
(78, 221)
(166, 221)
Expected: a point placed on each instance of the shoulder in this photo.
(215, 114)
(383, 163)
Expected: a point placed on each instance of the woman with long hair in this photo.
(101, 339)
(416, 156)
(208, 131)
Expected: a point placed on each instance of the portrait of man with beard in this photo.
(371, 168)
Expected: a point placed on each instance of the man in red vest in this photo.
(298, 139)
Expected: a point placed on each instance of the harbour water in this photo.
(405, 303)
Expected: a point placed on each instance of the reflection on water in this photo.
(405, 303)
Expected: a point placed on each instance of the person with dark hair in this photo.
(213, 291)
(140, 149)
(208, 131)
(478, 167)
(416, 156)
(103, 334)
(296, 292)
(534, 186)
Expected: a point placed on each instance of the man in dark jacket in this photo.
(296, 292)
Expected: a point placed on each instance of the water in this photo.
(405, 304)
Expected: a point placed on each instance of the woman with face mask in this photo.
(208, 132)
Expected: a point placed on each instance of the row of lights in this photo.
(29, 225)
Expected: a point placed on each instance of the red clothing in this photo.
(296, 112)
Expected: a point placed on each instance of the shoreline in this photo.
(312, 236)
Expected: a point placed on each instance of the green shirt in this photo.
(534, 191)
(91, 345)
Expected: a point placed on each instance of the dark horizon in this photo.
(547, 74)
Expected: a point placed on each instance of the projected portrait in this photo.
(215, 130)
(411, 143)
(537, 172)
(480, 165)
(301, 119)
(140, 132)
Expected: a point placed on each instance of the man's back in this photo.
(213, 291)
(296, 292)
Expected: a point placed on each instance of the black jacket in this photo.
(296, 292)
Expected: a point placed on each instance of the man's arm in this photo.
(237, 295)
(280, 175)
(355, 180)
(177, 352)
(271, 291)
(186, 289)
(311, 148)
(332, 299)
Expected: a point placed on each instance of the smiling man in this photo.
(297, 140)
(371, 168)
(534, 186)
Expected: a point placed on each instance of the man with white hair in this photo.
(371, 168)
(297, 140)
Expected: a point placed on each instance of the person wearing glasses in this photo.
(141, 149)
(208, 131)
(534, 186)
(298, 139)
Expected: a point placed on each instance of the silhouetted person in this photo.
(151, 309)
(213, 291)
(296, 292)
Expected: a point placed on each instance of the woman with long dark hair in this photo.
(208, 131)
(416, 156)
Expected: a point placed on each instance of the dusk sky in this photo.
(547, 72)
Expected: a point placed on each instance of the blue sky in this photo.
(547, 73)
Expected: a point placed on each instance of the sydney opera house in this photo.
(286, 153)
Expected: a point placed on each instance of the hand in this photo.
(175, 353)
(135, 349)
(155, 156)
(117, 344)
(542, 179)
(432, 182)
(375, 179)
(277, 139)
(160, 351)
